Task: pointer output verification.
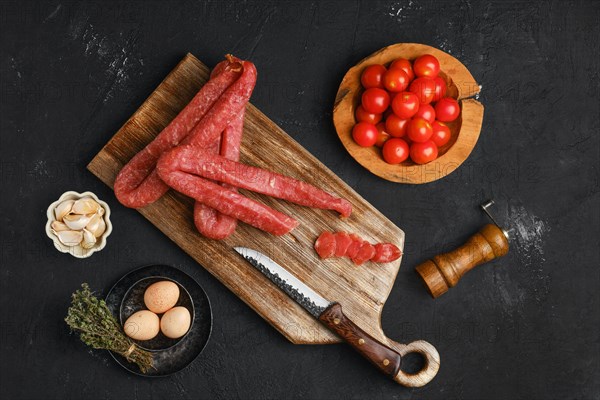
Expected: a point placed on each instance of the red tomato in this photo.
(419, 130)
(447, 109)
(440, 88)
(396, 126)
(405, 65)
(426, 65)
(395, 80)
(382, 135)
(424, 88)
(426, 112)
(365, 116)
(422, 153)
(375, 100)
(405, 105)
(372, 76)
(395, 151)
(441, 133)
(365, 134)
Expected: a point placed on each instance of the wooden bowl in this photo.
(465, 130)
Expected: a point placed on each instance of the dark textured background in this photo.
(525, 327)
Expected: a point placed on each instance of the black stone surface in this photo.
(524, 327)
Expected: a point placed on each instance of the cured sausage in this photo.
(325, 245)
(227, 201)
(352, 246)
(195, 161)
(138, 184)
(342, 242)
(209, 221)
(224, 110)
(386, 252)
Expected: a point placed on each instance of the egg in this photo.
(161, 296)
(142, 325)
(176, 322)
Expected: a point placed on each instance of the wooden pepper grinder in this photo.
(445, 270)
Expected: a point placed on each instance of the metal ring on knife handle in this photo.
(430, 369)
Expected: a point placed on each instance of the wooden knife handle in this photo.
(382, 356)
(445, 270)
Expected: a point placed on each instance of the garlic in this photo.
(85, 205)
(70, 238)
(58, 226)
(63, 209)
(79, 222)
(97, 226)
(89, 240)
(76, 222)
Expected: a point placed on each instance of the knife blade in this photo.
(328, 312)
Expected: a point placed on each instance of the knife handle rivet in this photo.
(336, 321)
(361, 341)
(386, 362)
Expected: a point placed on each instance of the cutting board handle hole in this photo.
(412, 363)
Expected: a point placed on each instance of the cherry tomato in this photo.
(447, 109)
(405, 65)
(422, 153)
(382, 134)
(441, 133)
(440, 88)
(372, 76)
(419, 130)
(375, 100)
(405, 105)
(365, 134)
(364, 116)
(395, 80)
(395, 151)
(424, 88)
(396, 126)
(426, 65)
(426, 112)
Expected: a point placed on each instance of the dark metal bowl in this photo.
(170, 355)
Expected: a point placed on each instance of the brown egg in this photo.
(142, 325)
(176, 322)
(161, 296)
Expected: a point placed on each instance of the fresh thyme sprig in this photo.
(99, 329)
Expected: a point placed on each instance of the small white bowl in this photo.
(78, 251)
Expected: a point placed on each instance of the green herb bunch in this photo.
(99, 329)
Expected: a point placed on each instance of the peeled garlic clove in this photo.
(101, 228)
(100, 211)
(76, 222)
(63, 209)
(89, 240)
(70, 238)
(96, 225)
(58, 226)
(85, 205)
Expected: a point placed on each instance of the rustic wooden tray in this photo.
(361, 290)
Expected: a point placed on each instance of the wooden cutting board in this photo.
(362, 291)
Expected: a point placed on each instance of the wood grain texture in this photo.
(465, 130)
(362, 290)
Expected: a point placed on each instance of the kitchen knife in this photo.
(331, 315)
